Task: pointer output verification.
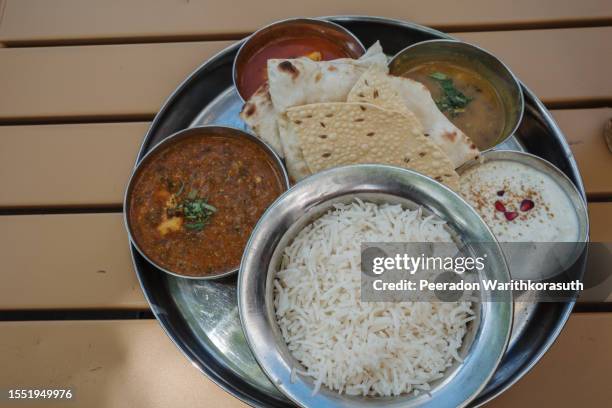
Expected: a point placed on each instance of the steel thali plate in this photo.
(201, 317)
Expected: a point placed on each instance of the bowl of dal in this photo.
(474, 89)
(319, 342)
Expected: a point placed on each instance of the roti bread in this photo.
(301, 81)
(260, 115)
(295, 82)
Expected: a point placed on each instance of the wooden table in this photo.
(79, 83)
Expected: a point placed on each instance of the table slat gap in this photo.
(79, 252)
(77, 83)
(45, 156)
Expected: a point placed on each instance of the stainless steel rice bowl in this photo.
(485, 341)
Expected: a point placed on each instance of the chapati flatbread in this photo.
(260, 115)
(300, 81)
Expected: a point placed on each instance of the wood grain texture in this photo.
(598, 279)
(133, 363)
(600, 215)
(116, 81)
(82, 261)
(574, 371)
(584, 132)
(2, 8)
(106, 364)
(559, 66)
(73, 20)
(68, 261)
(67, 165)
(89, 164)
(132, 81)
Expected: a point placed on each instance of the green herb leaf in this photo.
(196, 210)
(439, 76)
(453, 100)
(195, 226)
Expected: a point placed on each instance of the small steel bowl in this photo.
(475, 59)
(294, 27)
(519, 265)
(203, 131)
(486, 340)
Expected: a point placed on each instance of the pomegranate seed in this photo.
(499, 206)
(526, 205)
(500, 193)
(510, 215)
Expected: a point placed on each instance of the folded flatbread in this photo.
(260, 115)
(404, 95)
(300, 81)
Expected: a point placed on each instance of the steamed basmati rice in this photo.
(354, 347)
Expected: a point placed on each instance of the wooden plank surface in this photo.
(557, 65)
(133, 363)
(77, 164)
(584, 132)
(89, 164)
(573, 373)
(93, 81)
(75, 253)
(61, 20)
(129, 363)
(118, 81)
(600, 217)
(67, 261)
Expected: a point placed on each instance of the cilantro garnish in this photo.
(453, 100)
(194, 209)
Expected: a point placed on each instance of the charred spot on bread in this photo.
(249, 109)
(289, 68)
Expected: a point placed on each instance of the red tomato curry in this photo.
(316, 48)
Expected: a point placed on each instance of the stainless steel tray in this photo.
(201, 316)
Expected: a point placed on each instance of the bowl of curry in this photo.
(193, 200)
(319, 40)
(474, 89)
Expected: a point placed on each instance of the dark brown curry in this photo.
(194, 204)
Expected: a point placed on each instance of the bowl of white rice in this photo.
(314, 335)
